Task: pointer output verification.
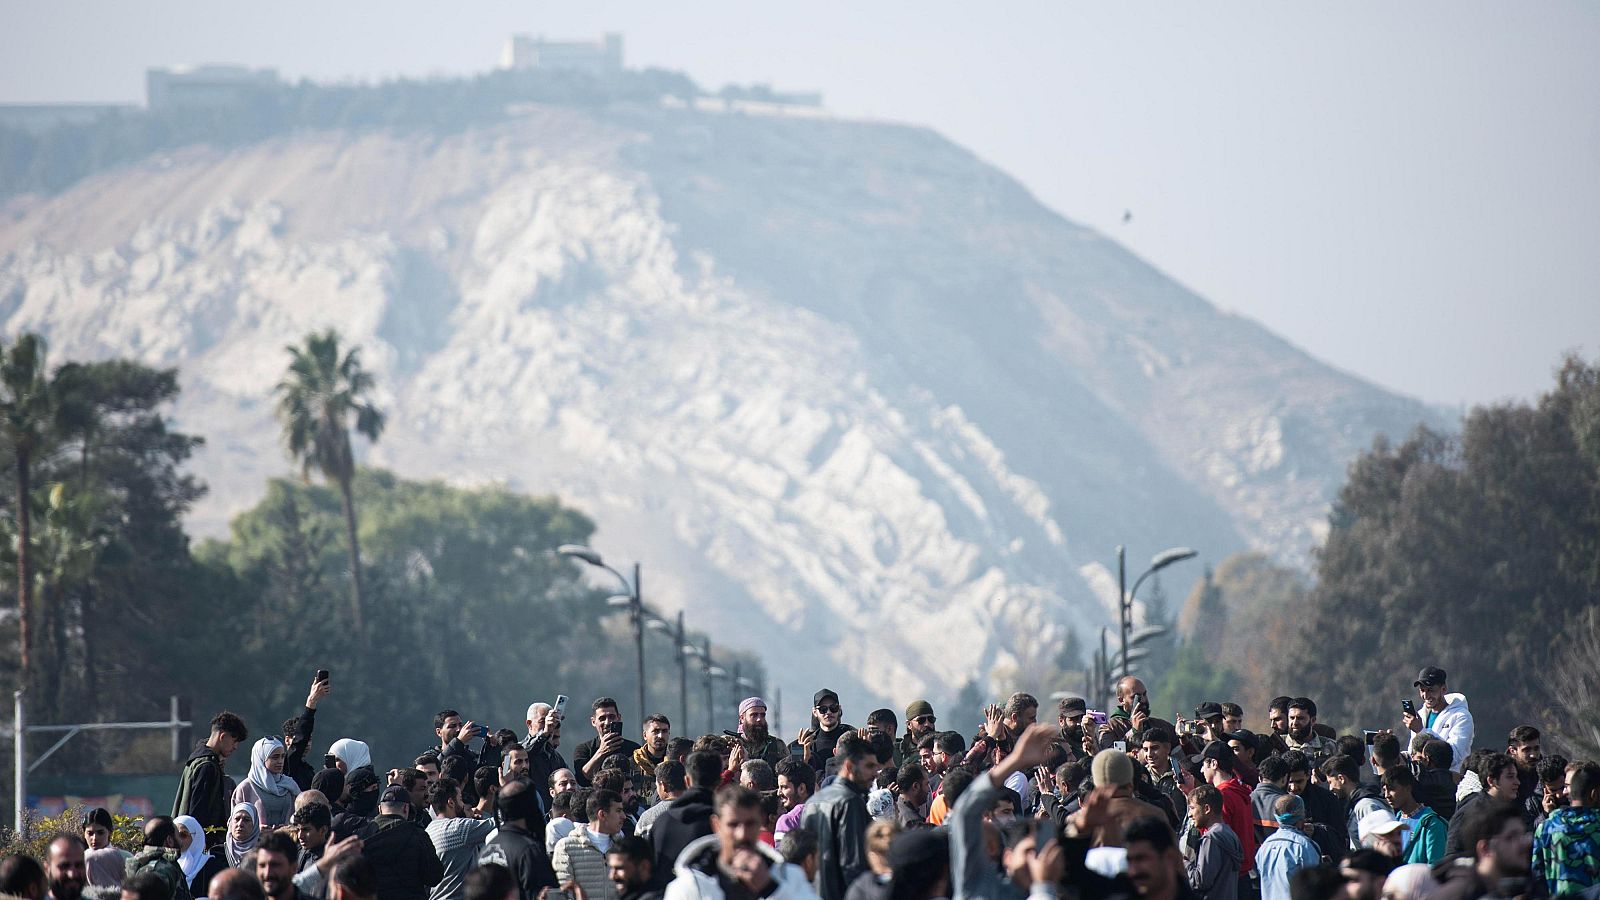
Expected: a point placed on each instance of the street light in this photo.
(684, 651)
(631, 600)
(1125, 597)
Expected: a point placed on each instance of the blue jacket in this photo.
(1284, 852)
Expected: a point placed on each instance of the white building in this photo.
(602, 57)
(207, 85)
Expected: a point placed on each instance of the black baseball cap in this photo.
(1432, 676)
(1073, 706)
(394, 793)
(1245, 737)
(1219, 751)
(1210, 709)
(823, 695)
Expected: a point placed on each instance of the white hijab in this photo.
(354, 754)
(262, 777)
(195, 857)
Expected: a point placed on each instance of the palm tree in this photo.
(27, 412)
(319, 400)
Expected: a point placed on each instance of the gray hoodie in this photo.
(1213, 868)
(1261, 801)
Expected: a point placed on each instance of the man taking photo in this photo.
(1442, 715)
(608, 741)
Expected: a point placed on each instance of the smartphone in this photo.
(1044, 831)
(322, 674)
(561, 706)
(1098, 717)
(1120, 745)
(1370, 735)
(329, 761)
(1407, 707)
(614, 728)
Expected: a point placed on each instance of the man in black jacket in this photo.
(608, 741)
(816, 743)
(204, 790)
(519, 844)
(1324, 809)
(400, 850)
(838, 816)
(689, 817)
(297, 738)
(456, 759)
(544, 756)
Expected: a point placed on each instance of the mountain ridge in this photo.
(842, 387)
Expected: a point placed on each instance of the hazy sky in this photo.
(1410, 191)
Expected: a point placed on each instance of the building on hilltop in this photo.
(602, 57)
(207, 86)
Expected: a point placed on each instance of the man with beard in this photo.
(796, 783)
(1133, 707)
(64, 870)
(1498, 862)
(275, 865)
(1303, 734)
(1522, 745)
(1078, 742)
(732, 862)
(1443, 716)
(920, 722)
(589, 756)
(815, 744)
(755, 741)
(1278, 718)
(544, 757)
(657, 734)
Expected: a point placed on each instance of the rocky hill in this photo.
(846, 390)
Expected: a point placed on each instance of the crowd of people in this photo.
(1093, 805)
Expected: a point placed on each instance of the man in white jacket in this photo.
(732, 860)
(1443, 715)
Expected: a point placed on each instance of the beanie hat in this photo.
(918, 708)
(1111, 767)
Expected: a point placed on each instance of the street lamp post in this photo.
(711, 672)
(683, 675)
(632, 600)
(1125, 597)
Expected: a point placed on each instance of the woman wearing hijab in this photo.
(243, 832)
(350, 754)
(198, 866)
(268, 789)
(354, 759)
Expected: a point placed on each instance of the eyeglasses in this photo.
(830, 710)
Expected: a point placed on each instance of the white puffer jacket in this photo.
(696, 874)
(1453, 725)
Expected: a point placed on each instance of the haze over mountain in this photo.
(836, 382)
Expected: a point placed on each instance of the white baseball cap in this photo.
(1380, 822)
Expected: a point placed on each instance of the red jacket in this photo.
(1236, 812)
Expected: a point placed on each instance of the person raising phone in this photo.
(608, 741)
(1444, 715)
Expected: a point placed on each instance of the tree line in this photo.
(1477, 551)
(417, 595)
